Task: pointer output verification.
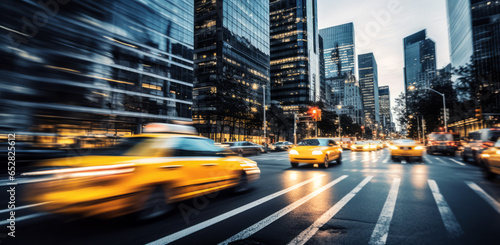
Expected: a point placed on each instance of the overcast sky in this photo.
(381, 26)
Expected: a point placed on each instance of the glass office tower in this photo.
(95, 68)
(420, 60)
(460, 32)
(368, 81)
(231, 66)
(385, 106)
(339, 48)
(295, 75)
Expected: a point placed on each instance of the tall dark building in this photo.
(231, 41)
(295, 75)
(368, 81)
(95, 68)
(420, 60)
(322, 79)
(385, 107)
(460, 32)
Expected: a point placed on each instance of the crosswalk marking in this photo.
(449, 220)
(188, 231)
(381, 231)
(305, 235)
(461, 163)
(275, 216)
(490, 200)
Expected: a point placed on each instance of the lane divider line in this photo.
(490, 200)
(461, 163)
(190, 230)
(275, 216)
(449, 220)
(23, 207)
(439, 159)
(381, 230)
(305, 235)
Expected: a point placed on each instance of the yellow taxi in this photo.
(315, 151)
(363, 146)
(406, 148)
(490, 159)
(142, 176)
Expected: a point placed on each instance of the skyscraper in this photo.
(339, 50)
(368, 81)
(340, 69)
(99, 68)
(460, 32)
(231, 41)
(420, 60)
(385, 107)
(322, 89)
(295, 75)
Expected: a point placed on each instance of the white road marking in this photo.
(490, 200)
(27, 217)
(386, 160)
(439, 159)
(23, 207)
(305, 235)
(461, 163)
(449, 220)
(381, 231)
(275, 216)
(427, 160)
(190, 230)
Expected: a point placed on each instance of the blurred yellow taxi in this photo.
(143, 175)
(363, 146)
(315, 151)
(406, 148)
(490, 159)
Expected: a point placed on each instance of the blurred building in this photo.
(231, 41)
(385, 107)
(420, 60)
(295, 75)
(323, 89)
(368, 81)
(460, 32)
(94, 68)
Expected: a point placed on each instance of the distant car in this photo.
(143, 175)
(282, 146)
(490, 159)
(346, 142)
(379, 144)
(478, 141)
(406, 148)
(315, 151)
(443, 142)
(244, 148)
(362, 146)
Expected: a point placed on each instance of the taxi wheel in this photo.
(325, 164)
(487, 172)
(294, 164)
(393, 158)
(339, 160)
(242, 184)
(420, 159)
(155, 206)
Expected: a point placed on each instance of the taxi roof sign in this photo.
(168, 128)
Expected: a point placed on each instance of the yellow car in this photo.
(363, 146)
(315, 151)
(490, 159)
(143, 176)
(406, 148)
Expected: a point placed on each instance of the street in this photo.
(368, 199)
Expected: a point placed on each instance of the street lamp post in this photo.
(340, 127)
(444, 104)
(255, 86)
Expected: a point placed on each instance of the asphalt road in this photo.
(368, 199)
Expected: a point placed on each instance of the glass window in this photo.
(196, 147)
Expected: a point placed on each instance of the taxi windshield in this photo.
(360, 143)
(133, 146)
(404, 142)
(314, 142)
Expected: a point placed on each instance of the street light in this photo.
(340, 128)
(444, 104)
(255, 86)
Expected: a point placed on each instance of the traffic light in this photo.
(479, 113)
(315, 113)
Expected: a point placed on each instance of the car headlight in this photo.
(485, 155)
(294, 152)
(419, 148)
(366, 147)
(317, 153)
(248, 164)
(393, 147)
(373, 146)
(353, 147)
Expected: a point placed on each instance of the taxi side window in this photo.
(189, 147)
(331, 142)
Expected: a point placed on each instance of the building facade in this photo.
(339, 50)
(231, 66)
(420, 60)
(459, 32)
(96, 70)
(294, 43)
(368, 81)
(385, 107)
